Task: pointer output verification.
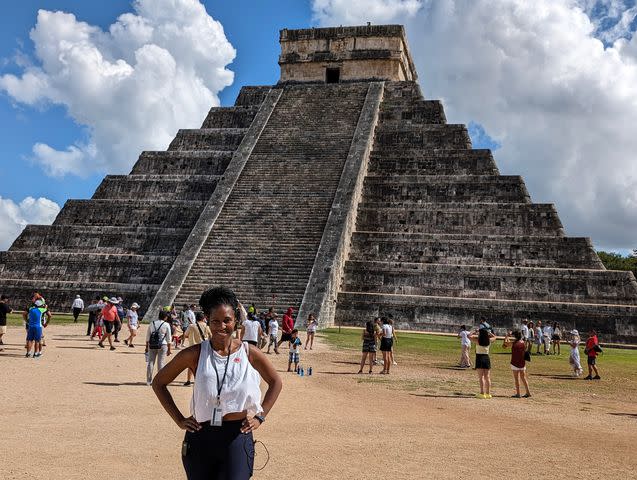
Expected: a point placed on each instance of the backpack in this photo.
(155, 341)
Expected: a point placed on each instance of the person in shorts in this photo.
(133, 323)
(295, 350)
(311, 326)
(287, 325)
(110, 318)
(35, 320)
(518, 363)
(483, 339)
(5, 309)
(273, 332)
(369, 346)
(386, 344)
(591, 350)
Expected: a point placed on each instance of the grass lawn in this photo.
(437, 356)
(15, 319)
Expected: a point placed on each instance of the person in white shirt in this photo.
(154, 353)
(525, 330)
(251, 330)
(196, 333)
(133, 324)
(386, 345)
(77, 307)
(547, 334)
(273, 327)
(465, 344)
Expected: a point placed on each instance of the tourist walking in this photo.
(218, 441)
(369, 346)
(110, 319)
(93, 311)
(294, 356)
(77, 307)
(518, 364)
(591, 350)
(121, 313)
(574, 357)
(311, 327)
(273, 332)
(157, 344)
(556, 338)
(132, 319)
(5, 309)
(287, 325)
(196, 333)
(465, 345)
(386, 344)
(251, 330)
(483, 339)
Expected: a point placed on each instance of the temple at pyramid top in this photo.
(342, 54)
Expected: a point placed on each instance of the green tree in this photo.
(615, 261)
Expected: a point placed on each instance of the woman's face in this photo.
(222, 321)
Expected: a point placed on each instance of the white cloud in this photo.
(154, 71)
(15, 216)
(563, 107)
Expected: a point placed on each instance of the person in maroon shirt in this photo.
(591, 350)
(287, 325)
(518, 364)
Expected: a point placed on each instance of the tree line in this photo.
(616, 261)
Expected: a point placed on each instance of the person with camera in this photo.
(226, 406)
(483, 339)
(592, 349)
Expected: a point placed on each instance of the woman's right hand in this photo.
(189, 424)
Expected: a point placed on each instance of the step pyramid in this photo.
(340, 191)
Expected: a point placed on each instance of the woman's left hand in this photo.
(250, 424)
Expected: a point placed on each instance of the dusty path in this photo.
(81, 412)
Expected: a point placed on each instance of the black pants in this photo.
(91, 324)
(218, 453)
(116, 329)
(76, 313)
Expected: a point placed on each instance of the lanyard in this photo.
(214, 365)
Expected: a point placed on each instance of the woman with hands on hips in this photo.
(226, 403)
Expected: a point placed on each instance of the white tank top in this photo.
(240, 390)
(251, 332)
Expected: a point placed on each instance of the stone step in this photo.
(157, 187)
(252, 95)
(184, 162)
(418, 112)
(409, 190)
(130, 213)
(85, 267)
(433, 162)
(230, 117)
(220, 139)
(614, 323)
(555, 252)
(406, 89)
(476, 218)
(498, 282)
(102, 239)
(59, 295)
(421, 137)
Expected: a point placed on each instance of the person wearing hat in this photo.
(574, 358)
(133, 323)
(77, 307)
(110, 317)
(35, 320)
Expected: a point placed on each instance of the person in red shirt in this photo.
(591, 350)
(518, 363)
(287, 325)
(110, 317)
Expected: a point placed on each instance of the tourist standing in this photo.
(251, 330)
(311, 327)
(483, 339)
(591, 350)
(531, 337)
(35, 320)
(386, 344)
(187, 319)
(524, 329)
(287, 325)
(133, 324)
(295, 350)
(5, 309)
(538, 336)
(465, 345)
(77, 307)
(264, 328)
(556, 338)
(157, 344)
(378, 330)
(547, 334)
(574, 357)
(196, 333)
(369, 346)
(273, 331)
(518, 364)
(218, 442)
(110, 318)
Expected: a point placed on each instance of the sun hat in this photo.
(105, 298)
(113, 300)
(39, 302)
(134, 305)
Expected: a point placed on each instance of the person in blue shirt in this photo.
(35, 318)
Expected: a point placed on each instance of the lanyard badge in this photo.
(216, 419)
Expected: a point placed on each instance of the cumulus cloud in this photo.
(132, 87)
(15, 216)
(562, 105)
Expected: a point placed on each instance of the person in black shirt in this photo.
(4, 309)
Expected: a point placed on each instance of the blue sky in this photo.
(484, 71)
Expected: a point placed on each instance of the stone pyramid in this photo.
(339, 190)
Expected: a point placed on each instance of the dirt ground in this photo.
(81, 412)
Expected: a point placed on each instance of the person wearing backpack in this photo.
(157, 344)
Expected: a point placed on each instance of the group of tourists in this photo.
(521, 342)
(379, 333)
